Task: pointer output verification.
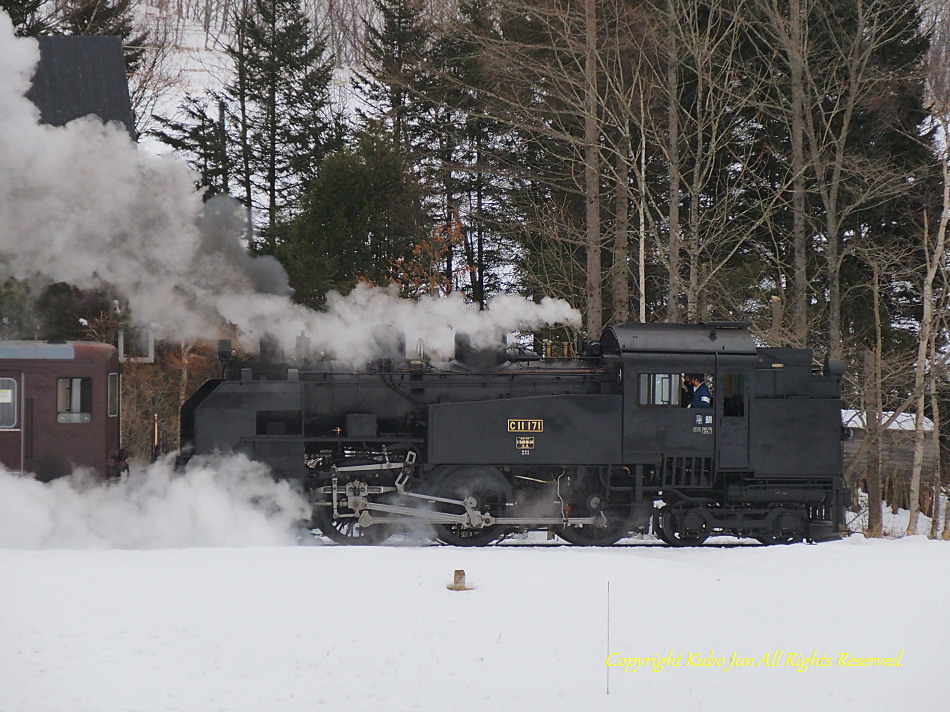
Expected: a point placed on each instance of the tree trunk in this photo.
(642, 255)
(478, 288)
(833, 249)
(675, 288)
(872, 430)
(934, 260)
(919, 436)
(799, 297)
(272, 147)
(935, 442)
(244, 131)
(183, 381)
(620, 274)
(592, 174)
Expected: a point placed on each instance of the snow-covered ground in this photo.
(327, 627)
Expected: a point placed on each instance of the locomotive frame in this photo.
(593, 448)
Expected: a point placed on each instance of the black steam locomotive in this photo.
(593, 448)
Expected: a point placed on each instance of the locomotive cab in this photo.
(681, 446)
(764, 461)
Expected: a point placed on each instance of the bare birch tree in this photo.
(934, 247)
(709, 142)
(838, 57)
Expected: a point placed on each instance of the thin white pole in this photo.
(607, 657)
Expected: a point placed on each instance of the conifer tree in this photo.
(280, 116)
(844, 112)
(202, 139)
(28, 16)
(106, 17)
(408, 130)
(391, 82)
(361, 219)
(465, 138)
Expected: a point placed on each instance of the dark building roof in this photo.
(80, 75)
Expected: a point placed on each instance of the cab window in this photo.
(659, 389)
(733, 393)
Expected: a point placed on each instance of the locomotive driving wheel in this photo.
(491, 493)
(590, 501)
(342, 529)
(678, 528)
(346, 530)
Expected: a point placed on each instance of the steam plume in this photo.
(222, 501)
(81, 204)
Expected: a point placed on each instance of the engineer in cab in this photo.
(699, 395)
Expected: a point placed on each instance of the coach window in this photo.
(113, 395)
(7, 403)
(732, 390)
(658, 389)
(73, 400)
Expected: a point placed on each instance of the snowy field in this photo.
(99, 621)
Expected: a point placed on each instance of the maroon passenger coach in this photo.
(59, 408)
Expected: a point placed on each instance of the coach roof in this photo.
(710, 337)
(28, 350)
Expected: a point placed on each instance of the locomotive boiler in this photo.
(591, 448)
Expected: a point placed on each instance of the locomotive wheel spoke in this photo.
(491, 492)
(343, 530)
(347, 530)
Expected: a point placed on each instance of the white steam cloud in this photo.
(81, 204)
(221, 501)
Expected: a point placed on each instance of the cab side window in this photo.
(659, 389)
(732, 390)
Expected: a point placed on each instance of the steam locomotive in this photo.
(591, 448)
